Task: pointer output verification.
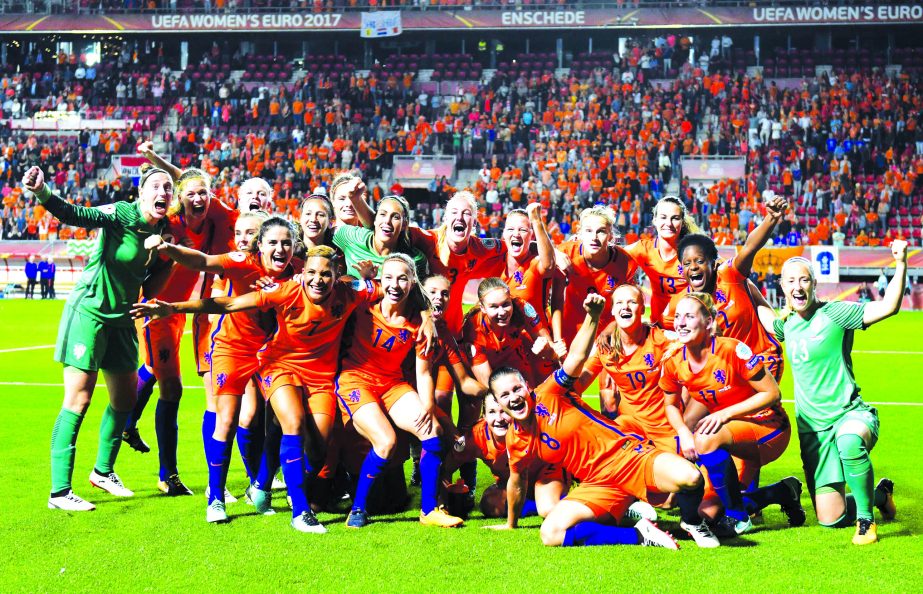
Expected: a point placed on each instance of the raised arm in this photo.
(184, 256)
(359, 198)
(546, 255)
(156, 309)
(890, 304)
(775, 209)
(146, 150)
(582, 345)
(69, 214)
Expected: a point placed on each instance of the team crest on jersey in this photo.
(721, 377)
(80, 350)
(237, 256)
(743, 351)
(472, 263)
(403, 335)
(649, 360)
(221, 379)
(490, 244)
(610, 282)
(354, 396)
(679, 269)
(208, 357)
(517, 276)
(163, 355)
(267, 381)
(720, 297)
(542, 411)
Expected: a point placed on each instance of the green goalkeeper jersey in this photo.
(111, 280)
(819, 353)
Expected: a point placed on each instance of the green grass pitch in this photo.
(153, 543)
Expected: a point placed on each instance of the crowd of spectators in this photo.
(844, 148)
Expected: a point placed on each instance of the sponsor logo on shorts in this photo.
(163, 355)
(354, 396)
(80, 350)
(208, 357)
(267, 381)
(221, 379)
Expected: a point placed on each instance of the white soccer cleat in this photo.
(652, 536)
(307, 522)
(215, 512)
(70, 501)
(228, 496)
(701, 534)
(641, 510)
(110, 483)
(278, 482)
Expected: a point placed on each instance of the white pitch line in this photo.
(596, 397)
(99, 385)
(889, 352)
(45, 346)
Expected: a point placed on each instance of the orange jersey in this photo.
(620, 269)
(737, 314)
(722, 382)
(530, 285)
(379, 348)
(215, 237)
(566, 432)
(483, 258)
(480, 444)
(245, 332)
(503, 346)
(308, 335)
(666, 276)
(636, 377)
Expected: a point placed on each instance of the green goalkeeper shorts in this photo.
(89, 345)
(820, 455)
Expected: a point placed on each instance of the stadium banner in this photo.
(128, 166)
(773, 257)
(608, 18)
(419, 171)
(381, 24)
(826, 262)
(712, 168)
(67, 120)
(856, 258)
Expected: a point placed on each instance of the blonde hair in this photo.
(418, 299)
(187, 177)
(321, 251)
(257, 181)
(341, 179)
(616, 336)
(787, 311)
(603, 212)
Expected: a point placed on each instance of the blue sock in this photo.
(755, 483)
(251, 462)
(529, 509)
(371, 468)
(469, 474)
(216, 453)
(209, 419)
(430, 461)
(264, 474)
(294, 466)
(167, 436)
(146, 381)
(723, 475)
(588, 534)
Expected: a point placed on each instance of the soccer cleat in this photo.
(357, 518)
(261, 500)
(652, 536)
(215, 512)
(792, 508)
(70, 501)
(866, 532)
(278, 482)
(110, 483)
(307, 522)
(173, 486)
(228, 496)
(887, 509)
(441, 518)
(641, 510)
(727, 527)
(134, 441)
(701, 534)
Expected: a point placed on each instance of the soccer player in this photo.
(205, 225)
(299, 364)
(658, 257)
(633, 362)
(745, 418)
(553, 424)
(237, 338)
(373, 393)
(528, 274)
(496, 330)
(96, 329)
(390, 234)
(350, 199)
(836, 428)
(254, 194)
(486, 441)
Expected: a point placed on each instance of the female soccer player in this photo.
(634, 365)
(390, 234)
(553, 424)
(372, 391)
(350, 199)
(658, 257)
(486, 441)
(96, 329)
(528, 275)
(745, 418)
(237, 338)
(836, 428)
(494, 330)
(205, 225)
(299, 364)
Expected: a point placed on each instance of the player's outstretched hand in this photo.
(154, 242)
(776, 206)
(33, 179)
(153, 309)
(560, 348)
(533, 207)
(594, 304)
(542, 348)
(263, 282)
(366, 269)
(145, 148)
(899, 251)
(563, 263)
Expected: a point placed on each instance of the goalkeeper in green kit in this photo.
(96, 331)
(836, 428)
